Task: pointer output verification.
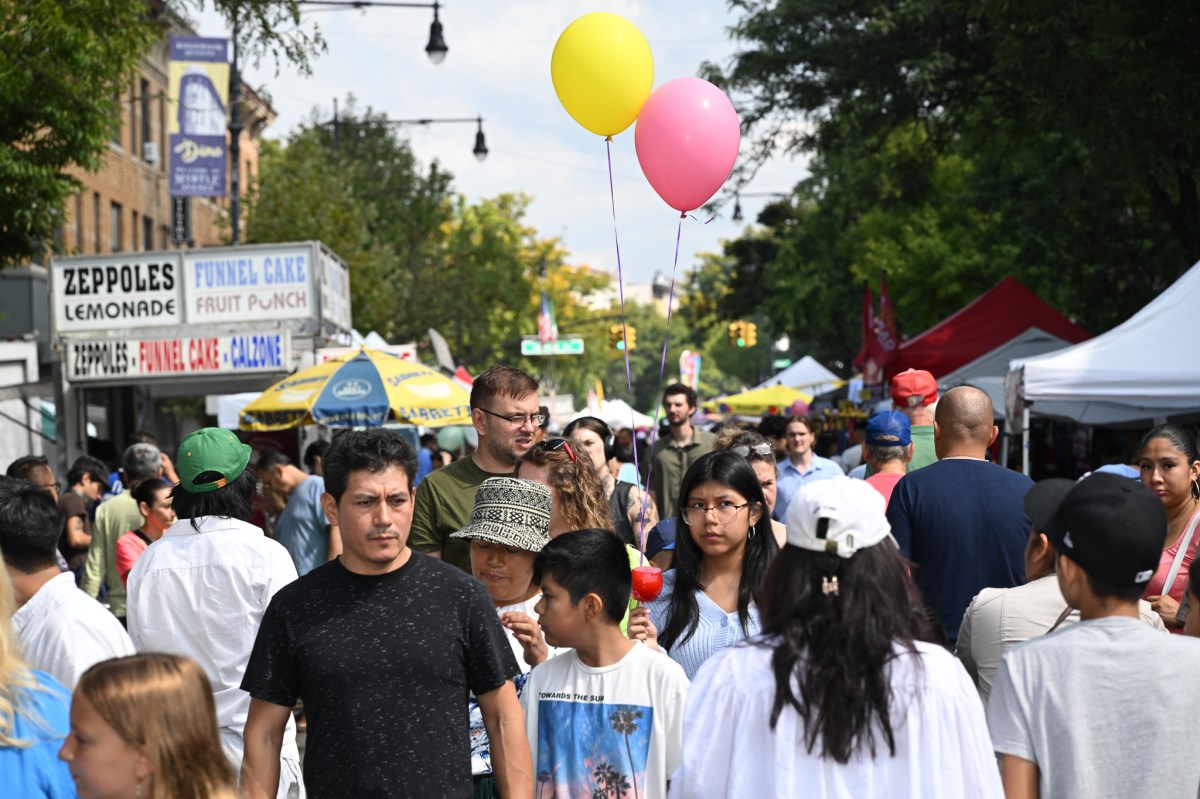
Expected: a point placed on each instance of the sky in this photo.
(498, 67)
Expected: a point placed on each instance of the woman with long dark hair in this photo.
(841, 695)
(709, 599)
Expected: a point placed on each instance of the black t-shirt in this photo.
(384, 665)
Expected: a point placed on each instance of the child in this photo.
(1100, 708)
(145, 727)
(606, 717)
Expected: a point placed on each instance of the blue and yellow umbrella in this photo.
(368, 388)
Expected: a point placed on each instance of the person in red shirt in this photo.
(887, 450)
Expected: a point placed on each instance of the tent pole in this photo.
(1025, 439)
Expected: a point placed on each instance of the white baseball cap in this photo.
(839, 516)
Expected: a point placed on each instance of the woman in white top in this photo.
(509, 525)
(841, 696)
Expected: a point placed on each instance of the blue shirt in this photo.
(424, 464)
(302, 527)
(716, 630)
(791, 480)
(35, 772)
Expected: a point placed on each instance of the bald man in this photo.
(961, 520)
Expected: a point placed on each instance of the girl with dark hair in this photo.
(153, 499)
(1170, 467)
(725, 543)
(842, 695)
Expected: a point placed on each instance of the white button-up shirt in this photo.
(63, 631)
(202, 593)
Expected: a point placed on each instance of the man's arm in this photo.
(264, 741)
(96, 565)
(1020, 777)
(77, 536)
(512, 762)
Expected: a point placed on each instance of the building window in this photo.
(133, 231)
(114, 227)
(144, 102)
(96, 221)
(133, 123)
(147, 233)
(79, 221)
(166, 235)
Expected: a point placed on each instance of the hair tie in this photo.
(829, 585)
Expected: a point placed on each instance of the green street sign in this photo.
(781, 363)
(564, 346)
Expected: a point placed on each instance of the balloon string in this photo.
(612, 197)
(662, 371)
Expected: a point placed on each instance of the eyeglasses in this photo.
(51, 486)
(554, 445)
(518, 419)
(724, 513)
(763, 449)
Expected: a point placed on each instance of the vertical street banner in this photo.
(198, 87)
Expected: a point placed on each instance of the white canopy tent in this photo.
(1144, 369)
(616, 413)
(806, 374)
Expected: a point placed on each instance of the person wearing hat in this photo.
(1000, 618)
(203, 587)
(786, 715)
(86, 482)
(915, 394)
(887, 449)
(1105, 707)
(510, 523)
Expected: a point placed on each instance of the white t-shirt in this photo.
(1106, 707)
(942, 744)
(587, 724)
(64, 632)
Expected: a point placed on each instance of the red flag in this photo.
(886, 338)
(868, 327)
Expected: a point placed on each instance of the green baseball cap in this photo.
(210, 449)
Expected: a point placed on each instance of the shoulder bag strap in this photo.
(1184, 544)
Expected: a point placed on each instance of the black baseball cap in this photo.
(1111, 526)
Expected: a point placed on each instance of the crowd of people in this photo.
(910, 619)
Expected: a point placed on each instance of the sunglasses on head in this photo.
(554, 445)
(763, 449)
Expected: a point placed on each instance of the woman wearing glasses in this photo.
(722, 551)
(576, 490)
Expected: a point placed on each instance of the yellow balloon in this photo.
(603, 72)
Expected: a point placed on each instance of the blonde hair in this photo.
(579, 489)
(164, 703)
(17, 681)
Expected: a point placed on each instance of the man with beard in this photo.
(675, 453)
(505, 414)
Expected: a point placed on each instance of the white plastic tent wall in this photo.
(806, 374)
(1143, 369)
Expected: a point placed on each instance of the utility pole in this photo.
(235, 136)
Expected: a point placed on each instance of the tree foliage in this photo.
(956, 142)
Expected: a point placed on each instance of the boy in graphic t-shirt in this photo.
(607, 716)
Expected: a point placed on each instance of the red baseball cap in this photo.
(913, 388)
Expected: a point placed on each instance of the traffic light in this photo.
(616, 336)
(735, 334)
(631, 337)
(750, 333)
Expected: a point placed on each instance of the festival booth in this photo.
(975, 344)
(807, 374)
(773, 399)
(1142, 370)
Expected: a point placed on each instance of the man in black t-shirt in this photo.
(383, 645)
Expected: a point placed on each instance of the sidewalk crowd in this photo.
(940, 627)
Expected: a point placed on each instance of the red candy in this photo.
(647, 583)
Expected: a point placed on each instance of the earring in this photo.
(750, 537)
(137, 793)
(1196, 489)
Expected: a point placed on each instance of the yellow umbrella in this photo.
(773, 399)
(363, 389)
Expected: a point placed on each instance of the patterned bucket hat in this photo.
(511, 512)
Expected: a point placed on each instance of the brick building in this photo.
(125, 205)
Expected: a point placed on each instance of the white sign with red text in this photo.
(114, 359)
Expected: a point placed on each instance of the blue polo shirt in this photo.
(791, 480)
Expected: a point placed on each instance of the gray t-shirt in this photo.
(1105, 708)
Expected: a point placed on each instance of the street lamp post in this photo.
(436, 49)
(480, 150)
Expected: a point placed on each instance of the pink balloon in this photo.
(687, 140)
(799, 408)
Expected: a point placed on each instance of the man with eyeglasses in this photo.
(506, 416)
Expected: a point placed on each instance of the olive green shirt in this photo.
(114, 518)
(671, 462)
(443, 506)
(923, 450)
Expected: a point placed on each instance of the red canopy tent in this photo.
(996, 317)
